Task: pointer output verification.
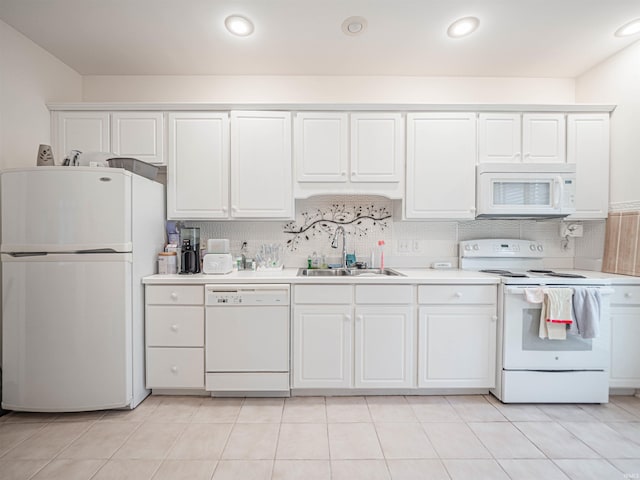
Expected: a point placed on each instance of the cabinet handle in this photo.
(458, 294)
(224, 209)
(174, 296)
(353, 174)
(527, 155)
(347, 318)
(359, 318)
(472, 209)
(628, 295)
(234, 209)
(494, 318)
(174, 327)
(517, 155)
(174, 369)
(344, 174)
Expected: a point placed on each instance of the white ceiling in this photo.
(532, 38)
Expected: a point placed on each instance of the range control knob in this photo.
(476, 247)
(540, 248)
(467, 247)
(532, 247)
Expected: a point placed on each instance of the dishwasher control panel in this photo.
(244, 295)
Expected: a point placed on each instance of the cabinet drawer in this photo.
(175, 368)
(320, 294)
(625, 295)
(175, 326)
(457, 294)
(174, 295)
(384, 294)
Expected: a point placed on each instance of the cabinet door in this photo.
(543, 137)
(377, 148)
(198, 165)
(321, 147)
(625, 354)
(588, 148)
(441, 158)
(322, 346)
(261, 165)
(139, 135)
(457, 347)
(83, 131)
(499, 137)
(384, 339)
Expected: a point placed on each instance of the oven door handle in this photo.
(520, 291)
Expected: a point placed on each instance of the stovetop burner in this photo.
(551, 273)
(505, 273)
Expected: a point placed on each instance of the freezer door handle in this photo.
(27, 254)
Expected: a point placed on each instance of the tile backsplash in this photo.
(407, 243)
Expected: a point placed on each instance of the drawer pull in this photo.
(628, 295)
(174, 369)
(174, 296)
(458, 294)
(174, 328)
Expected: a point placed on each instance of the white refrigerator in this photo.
(76, 242)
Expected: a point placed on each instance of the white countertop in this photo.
(289, 275)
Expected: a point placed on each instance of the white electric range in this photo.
(531, 369)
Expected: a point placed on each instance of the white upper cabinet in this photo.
(515, 137)
(139, 135)
(499, 137)
(126, 134)
(261, 156)
(441, 157)
(376, 147)
(543, 137)
(588, 148)
(321, 147)
(83, 131)
(198, 165)
(342, 153)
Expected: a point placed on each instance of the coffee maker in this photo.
(190, 245)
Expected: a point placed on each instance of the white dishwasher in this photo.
(247, 338)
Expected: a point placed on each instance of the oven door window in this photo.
(532, 341)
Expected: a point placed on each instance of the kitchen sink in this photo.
(348, 272)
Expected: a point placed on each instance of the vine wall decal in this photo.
(358, 221)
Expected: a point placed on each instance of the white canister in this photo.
(167, 263)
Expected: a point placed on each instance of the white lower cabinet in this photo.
(174, 336)
(384, 355)
(363, 344)
(457, 336)
(322, 349)
(625, 335)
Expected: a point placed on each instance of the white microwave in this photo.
(525, 190)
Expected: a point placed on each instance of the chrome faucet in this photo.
(334, 244)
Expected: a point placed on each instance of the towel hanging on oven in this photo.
(555, 315)
(586, 311)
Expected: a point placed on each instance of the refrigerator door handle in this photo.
(27, 254)
(97, 250)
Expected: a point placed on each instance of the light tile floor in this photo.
(317, 438)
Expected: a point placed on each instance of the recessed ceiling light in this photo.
(239, 25)
(354, 25)
(628, 29)
(463, 27)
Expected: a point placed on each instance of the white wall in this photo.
(617, 81)
(326, 89)
(29, 78)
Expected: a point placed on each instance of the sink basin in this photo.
(349, 272)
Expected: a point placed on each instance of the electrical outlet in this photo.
(415, 246)
(404, 246)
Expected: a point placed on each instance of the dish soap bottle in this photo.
(381, 254)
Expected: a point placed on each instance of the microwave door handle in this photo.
(558, 191)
